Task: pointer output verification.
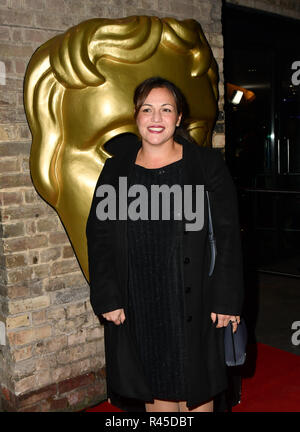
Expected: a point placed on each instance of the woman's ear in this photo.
(178, 120)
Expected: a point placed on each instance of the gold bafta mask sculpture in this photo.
(78, 94)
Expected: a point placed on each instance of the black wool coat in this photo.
(222, 292)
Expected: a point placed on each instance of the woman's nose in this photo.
(156, 116)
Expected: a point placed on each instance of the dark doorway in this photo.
(262, 65)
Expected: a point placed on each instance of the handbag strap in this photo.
(210, 225)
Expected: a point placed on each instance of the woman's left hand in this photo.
(223, 320)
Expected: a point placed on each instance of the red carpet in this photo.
(275, 385)
(104, 407)
(271, 382)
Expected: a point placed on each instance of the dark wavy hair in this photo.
(144, 88)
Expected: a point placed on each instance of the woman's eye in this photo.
(146, 110)
(166, 110)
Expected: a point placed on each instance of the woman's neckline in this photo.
(165, 166)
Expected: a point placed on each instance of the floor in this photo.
(272, 305)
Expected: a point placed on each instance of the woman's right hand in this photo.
(117, 316)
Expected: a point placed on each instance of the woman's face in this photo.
(158, 117)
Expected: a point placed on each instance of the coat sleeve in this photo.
(227, 279)
(104, 291)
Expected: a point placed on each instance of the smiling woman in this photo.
(157, 120)
(159, 109)
(163, 309)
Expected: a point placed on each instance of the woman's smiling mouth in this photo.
(156, 129)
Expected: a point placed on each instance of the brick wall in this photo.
(53, 358)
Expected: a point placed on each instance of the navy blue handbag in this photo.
(235, 343)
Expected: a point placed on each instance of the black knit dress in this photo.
(156, 303)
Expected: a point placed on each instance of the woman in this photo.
(149, 278)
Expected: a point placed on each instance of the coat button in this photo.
(187, 289)
(189, 318)
(186, 260)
